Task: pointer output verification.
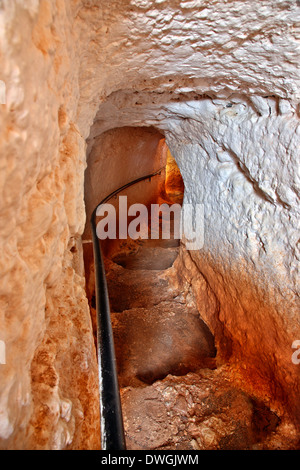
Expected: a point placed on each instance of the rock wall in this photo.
(48, 387)
(118, 157)
(221, 81)
(247, 181)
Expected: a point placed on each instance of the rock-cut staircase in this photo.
(173, 395)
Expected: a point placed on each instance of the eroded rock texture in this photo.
(198, 412)
(220, 80)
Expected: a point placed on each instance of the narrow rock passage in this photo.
(173, 396)
(155, 332)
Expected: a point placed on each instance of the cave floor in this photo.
(173, 394)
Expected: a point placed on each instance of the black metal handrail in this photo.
(112, 428)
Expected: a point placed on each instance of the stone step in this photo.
(202, 411)
(167, 338)
(161, 243)
(137, 288)
(147, 257)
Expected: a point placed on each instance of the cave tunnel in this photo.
(133, 152)
(203, 99)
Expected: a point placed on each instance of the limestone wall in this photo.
(118, 157)
(48, 387)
